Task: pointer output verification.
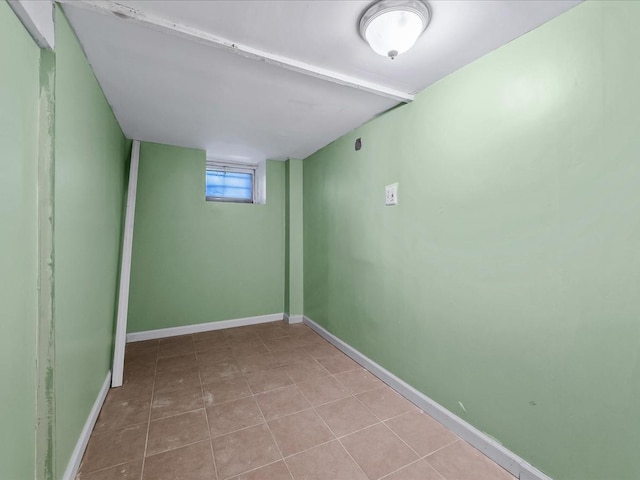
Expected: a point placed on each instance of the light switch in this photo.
(391, 194)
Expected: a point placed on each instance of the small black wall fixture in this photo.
(358, 144)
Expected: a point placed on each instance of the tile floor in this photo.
(266, 402)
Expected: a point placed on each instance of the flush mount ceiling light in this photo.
(391, 27)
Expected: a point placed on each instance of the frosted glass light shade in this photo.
(392, 27)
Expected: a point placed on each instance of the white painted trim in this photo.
(83, 440)
(492, 449)
(125, 269)
(188, 32)
(202, 327)
(291, 319)
(37, 18)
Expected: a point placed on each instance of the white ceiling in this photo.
(169, 89)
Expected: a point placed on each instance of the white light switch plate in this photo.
(391, 194)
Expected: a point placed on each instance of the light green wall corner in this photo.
(507, 277)
(19, 85)
(89, 191)
(195, 261)
(294, 272)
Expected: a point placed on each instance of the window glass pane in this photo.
(231, 185)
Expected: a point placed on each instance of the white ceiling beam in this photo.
(200, 36)
(37, 17)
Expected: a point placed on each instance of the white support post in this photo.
(125, 270)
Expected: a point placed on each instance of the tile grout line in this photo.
(383, 422)
(255, 469)
(206, 416)
(274, 441)
(341, 444)
(146, 441)
(245, 376)
(458, 439)
(253, 396)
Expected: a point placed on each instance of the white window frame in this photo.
(221, 166)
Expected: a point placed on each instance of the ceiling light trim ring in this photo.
(418, 7)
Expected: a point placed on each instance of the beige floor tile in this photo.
(146, 345)
(299, 432)
(127, 471)
(305, 370)
(325, 462)
(385, 402)
(193, 462)
(268, 380)
(176, 340)
(225, 390)
(338, 363)
(275, 332)
(419, 470)
(209, 340)
(378, 451)
(323, 390)
(179, 363)
(275, 471)
(169, 381)
(248, 349)
(291, 356)
(280, 343)
(346, 416)
(141, 352)
(114, 447)
(240, 333)
(166, 404)
(210, 335)
(460, 461)
(358, 380)
(138, 380)
(215, 355)
(244, 450)
(176, 346)
(235, 415)
(421, 432)
(121, 412)
(322, 350)
(219, 371)
(281, 402)
(257, 363)
(227, 383)
(136, 372)
(177, 431)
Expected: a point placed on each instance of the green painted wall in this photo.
(294, 271)
(507, 277)
(89, 189)
(195, 261)
(19, 86)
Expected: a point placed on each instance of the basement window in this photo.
(229, 182)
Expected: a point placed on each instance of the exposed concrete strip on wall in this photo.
(45, 400)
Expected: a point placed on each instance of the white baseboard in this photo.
(202, 327)
(291, 319)
(83, 440)
(492, 449)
